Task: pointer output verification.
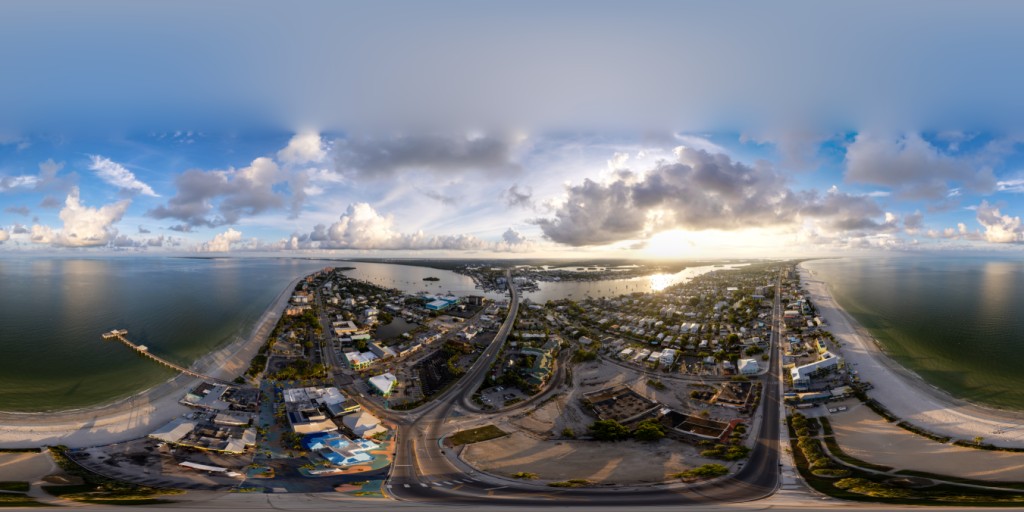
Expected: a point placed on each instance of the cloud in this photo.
(222, 241)
(19, 229)
(50, 202)
(143, 231)
(697, 191)
(361, 227)
(303, 148)
(516, 197)
(442, 198)
(1015, 185)
(216, 198)
(913, 222)
(513, 237)
(9, 183)
(912, 167)
(118, 176)
(999, 228)
(4, 235)
(381, 158)
(83, 226)
(20, 210)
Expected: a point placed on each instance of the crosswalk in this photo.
(439, 483)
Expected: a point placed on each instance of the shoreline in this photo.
(137, 415)
(904, 393)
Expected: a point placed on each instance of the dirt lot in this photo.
(865, 435)
(620, 463)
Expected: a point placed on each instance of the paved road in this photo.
(423, 472)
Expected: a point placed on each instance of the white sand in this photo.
(904, 393)
(138, 415)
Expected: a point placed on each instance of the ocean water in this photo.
(958, 322)
(53, 311)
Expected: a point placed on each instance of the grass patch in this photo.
(826, 426)
(955, 479)
(14, 486)
(476, 435)
(868, 487)
(833, 446)
(574, 483)
(19, 500)
(986, 446)
(701, 472)
(525, 475)
(910, 427)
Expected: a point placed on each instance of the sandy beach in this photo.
(135, 416)
(903, 392)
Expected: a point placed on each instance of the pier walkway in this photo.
(121, 335)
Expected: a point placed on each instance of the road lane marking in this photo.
(423, 485)
(406, 485)
(447, 483)
(439, 484)
(496, 488)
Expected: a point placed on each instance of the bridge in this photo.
(121, 335)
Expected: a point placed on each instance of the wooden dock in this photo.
(121, 335)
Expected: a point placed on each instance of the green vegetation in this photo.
(832, 473)
(649, 430)
(576, 482)
(702, 472)
(656, 384)
(726, 452)
(18, 500)
(568, 432)
(608, 430)
(476, 435)
(582, 356)
(525, 476)
(869, 488)
(16, 486)
(300, 369)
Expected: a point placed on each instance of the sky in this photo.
(520, 129)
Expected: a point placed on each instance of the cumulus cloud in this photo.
(699, 190)
(912, 167)
(118, 176)
(361, 227)
(4, 235)
(83, 226)
(913, 222)
(216, 198)
(518, 197)
(303, 148)
(999, 228)
(381, 157)
(513, 237)
(222, 241)
(19, 229)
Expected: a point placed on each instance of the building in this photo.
(748, 366)
(359, 360)
(363, 424)
(802, 374)
(381, 352)
(668, 356)
(338, 449)
(383, 384)
(343, 328)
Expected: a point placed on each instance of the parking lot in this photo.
(498, 396)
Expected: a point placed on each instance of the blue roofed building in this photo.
(338, 449)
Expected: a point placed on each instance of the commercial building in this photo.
(802, 374)
(363, 424)
(338, 449)
(383, 384)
